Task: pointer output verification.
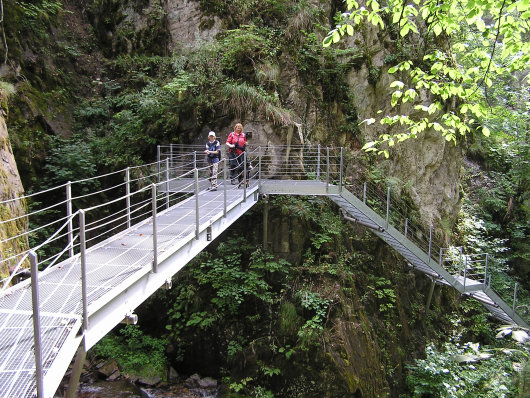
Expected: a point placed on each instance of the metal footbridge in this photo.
(109, 242)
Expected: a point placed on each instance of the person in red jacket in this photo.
(236, 143)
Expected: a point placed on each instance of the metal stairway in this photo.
(421, 261)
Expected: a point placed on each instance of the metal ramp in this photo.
(103, 261)
(423, 262)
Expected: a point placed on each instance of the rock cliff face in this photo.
(10, 187)
(429, 167)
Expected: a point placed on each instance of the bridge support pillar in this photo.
(76, 371)
(265, 223)
(429, 297)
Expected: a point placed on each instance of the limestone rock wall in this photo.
(10, 187)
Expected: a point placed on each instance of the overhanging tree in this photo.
(469, 46)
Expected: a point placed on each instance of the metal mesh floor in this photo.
(17, 360)
(109, 265)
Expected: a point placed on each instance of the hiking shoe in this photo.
(213, 189)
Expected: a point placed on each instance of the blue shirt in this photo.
(213, 146)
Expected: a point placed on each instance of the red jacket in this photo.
(241, 141)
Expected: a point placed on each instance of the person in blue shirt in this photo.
(213, 150)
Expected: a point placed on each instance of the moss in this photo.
(10, 229)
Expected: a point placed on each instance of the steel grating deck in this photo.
(17, 369)
(110, 265)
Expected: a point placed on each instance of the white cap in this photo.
(211, 134)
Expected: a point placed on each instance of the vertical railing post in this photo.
(486, 272)
(406, 226)
(225, 183)
(197, 219)
(36, 323)
(82, 255)
(430, 243)
(128, 195)
(244, 176)
(259, 167)
(460, 261)
(158, 162)
(171, 155)
(340, 170)
(465, 272)
(167, 183)
(515, 296)
(69, 217)
(440, 261)
(194, 159)
(327, 169)
(318, 162)
(155, 238)
(364, 193)
(387, 207)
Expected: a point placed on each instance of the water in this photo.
(110, 389)
(124, 389)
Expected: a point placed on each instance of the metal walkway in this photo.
(103, 261)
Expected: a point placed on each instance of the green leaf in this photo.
(404, 30)
(368, 145)
(437, 29)
(486, 131)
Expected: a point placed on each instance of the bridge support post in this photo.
(69, 217)
(460, 261)
(265, 223)
(155, 242)
(128, 195)
(259, 168)
(387, 207)
(158, 162)
(430, 243)
(340, 170)
(364, 193)
(429, 297)
(465, 272)
(486, 272)
(244, 176)
(197, 218)
(327, 169)
(36, 323)
(318, 163)
(225, 182)
(82, 255)
(167, 183)
(514, 297)
(76, 371)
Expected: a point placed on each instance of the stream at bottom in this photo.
(124, 389)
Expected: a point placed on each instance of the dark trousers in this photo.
(236, 166)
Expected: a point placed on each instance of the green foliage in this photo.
(318, 308)
(485, 44)
(465, 371)
(384, 293)
(134, 351)
(70, 160)
(234, 279)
